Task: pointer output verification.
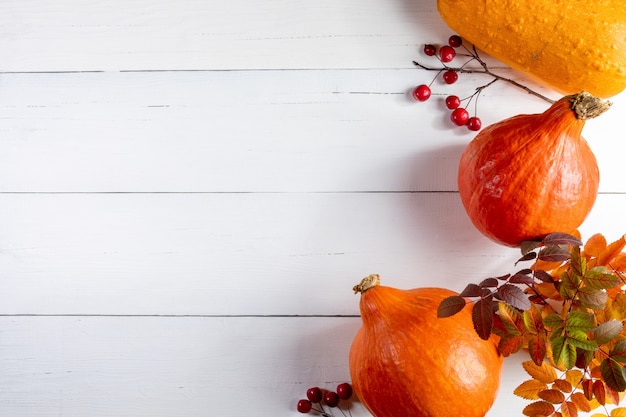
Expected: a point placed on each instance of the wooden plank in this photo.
(73, 35)
(223, 254)
(158, 366)
(248, 131)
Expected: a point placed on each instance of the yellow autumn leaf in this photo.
(574, 376)
(618, 412)
(616, 308)
(543, 373)
(530, 389)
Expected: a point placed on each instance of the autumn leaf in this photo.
(538, 408)
(451, 305)
(514, 296)
(509, 345)
(537, 349)
(554, 254)
(569, 409)
(573, 376)
(562, 385)
(482, 317)
(543, 373)
(598, 278)
(530, 389)
(533, 320)
(559, 238)
(553, 396)
(599, 391)
(581, 402)
(613, 375)
(511, 318)
(611, 251)
(607, 331)
(595, 245)
(471, 290)
(618, 353)
(618, 412)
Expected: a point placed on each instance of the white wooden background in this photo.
(189, 190)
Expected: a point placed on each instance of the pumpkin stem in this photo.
(587, 106)
(366, 283)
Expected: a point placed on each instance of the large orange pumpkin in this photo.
(405, 361)
(533, 174)
(571, 46)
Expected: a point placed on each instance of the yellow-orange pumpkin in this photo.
(571, 46)
(533, 174)
(405, 361)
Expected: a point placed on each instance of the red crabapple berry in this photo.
(452, 102)
(450, 77)
(314, 394)
(331, 399)
(344, 391)
(474, 123)
(430, 50)
(421, 92)
(459, 116)
(304, 406)
(455, 41)
(446, 53)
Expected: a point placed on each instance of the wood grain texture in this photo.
(190, 189)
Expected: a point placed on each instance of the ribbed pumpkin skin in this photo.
(406, 362)
(528, 176)
(570, 46)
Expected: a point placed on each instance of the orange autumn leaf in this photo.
(544, 373)
(581, 402)
(538, 408)
(569, 409)
(530, 389)
(595, 245)
(553, 396)
(611, 251)
(563, 385)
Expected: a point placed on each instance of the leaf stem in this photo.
(485, 70)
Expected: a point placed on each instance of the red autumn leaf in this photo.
(482, 317)
(449, 306)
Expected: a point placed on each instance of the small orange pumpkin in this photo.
(571, 46)
(405, 361)
(533, 174)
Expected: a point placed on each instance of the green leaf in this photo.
(598, 279)
(578, 264)
(449, 306)
(579, 320)
(514, 296)
(553, 321)
(607, 331)
(579, 339)
(563, 352)
(613, 375)
(482, 317)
